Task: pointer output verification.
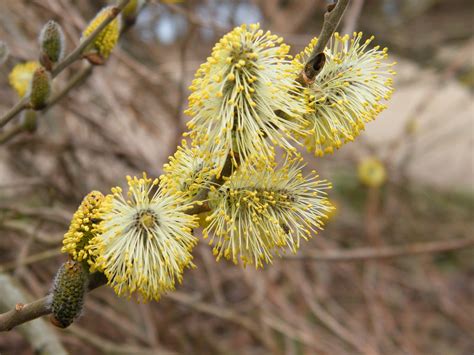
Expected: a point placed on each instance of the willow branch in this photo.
(41, 307)
(23, 313)
(41, 337)
(75, 55)
(75, 81)
(316, 60)
(388, 252)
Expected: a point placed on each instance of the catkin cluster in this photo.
(252, 204)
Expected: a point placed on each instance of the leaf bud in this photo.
(40, 88)
(52, 45)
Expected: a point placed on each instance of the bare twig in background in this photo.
(219, 312)
(385, 252)
(108, 347)
(195, 19)
(10, 133)
(278, 13)
(31, 259)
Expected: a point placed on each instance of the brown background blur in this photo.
(127, 118)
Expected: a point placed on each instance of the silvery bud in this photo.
(51, 42)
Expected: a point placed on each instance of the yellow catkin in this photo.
(21, 75)
(107, 39)
(82, 240)
(147, 239)
(189, 171)
(265, 210)
(349, 91)
(244, 99)
(372, 172)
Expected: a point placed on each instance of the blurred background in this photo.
(337, 295)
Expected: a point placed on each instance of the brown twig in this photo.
(386, 252)
(109, 347)
(220, 312)
(194, 19)
(76, 80)
(316, 60)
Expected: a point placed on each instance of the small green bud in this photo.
(51, 42)
(28, 121)
(4, 52)
(69, 289)
(40, 88)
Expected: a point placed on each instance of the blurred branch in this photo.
(194, 19)
(15, 110)
(76, 80)
(41, 337)
(220, 312)
(28, 230)
(12, 132)
(108, 347)
(57, 216)
(30, 259)
(71, 58)
(361, 254)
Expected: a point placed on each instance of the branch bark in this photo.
(316, 60)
